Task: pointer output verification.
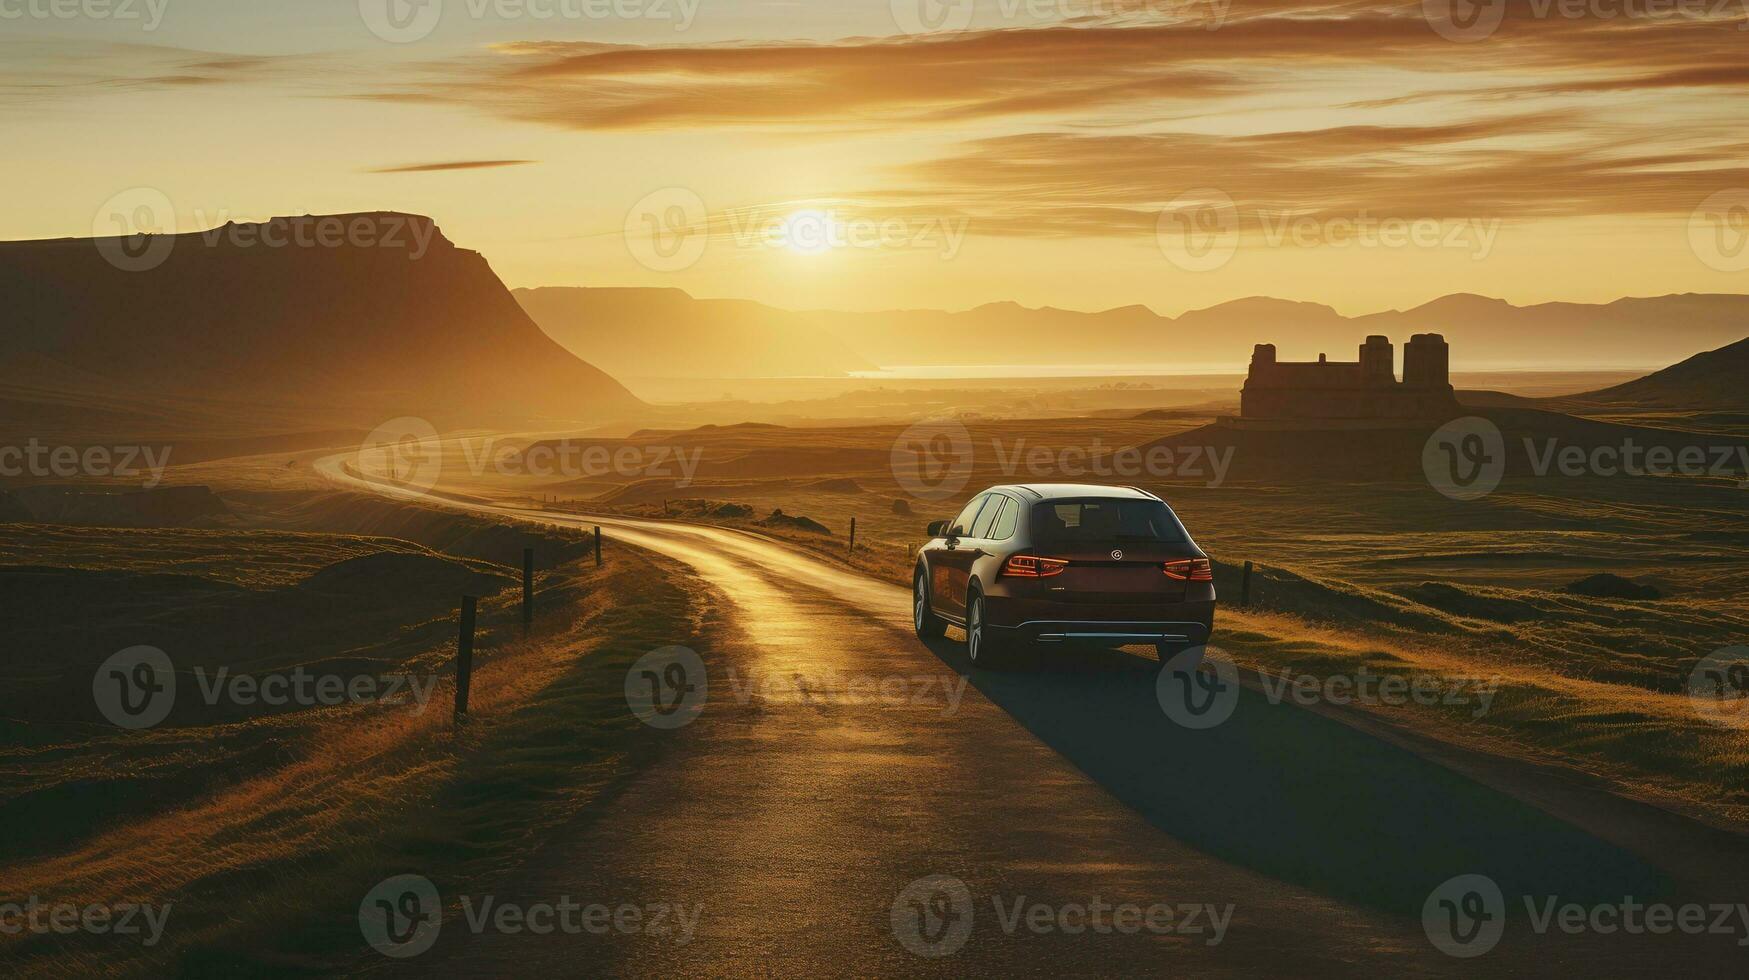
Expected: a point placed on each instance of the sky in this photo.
(1083, 154)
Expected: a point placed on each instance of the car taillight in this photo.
(1189, 570)
(1027, 566)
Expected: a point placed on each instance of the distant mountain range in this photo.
(225, 330)
(665, 333)
(637, 332)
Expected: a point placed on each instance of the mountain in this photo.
(1000, 333)
(1483, 332)
(668, 333)
(641, 333)
(337, 320)
(1717, 380)
(1630, 332)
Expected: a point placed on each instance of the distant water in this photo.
(932, 372)
(939, 372)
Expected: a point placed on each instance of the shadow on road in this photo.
(1300, 797)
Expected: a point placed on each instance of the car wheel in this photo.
(984, 645)
(929, 626)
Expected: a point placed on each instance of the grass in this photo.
(1651, 745)
(264, 872)
(1345, 568)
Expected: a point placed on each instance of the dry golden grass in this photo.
(1348, 572)
(359, 783)
(1652, 745)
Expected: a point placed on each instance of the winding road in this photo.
(852, 801)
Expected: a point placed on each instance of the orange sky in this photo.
(1177, 153)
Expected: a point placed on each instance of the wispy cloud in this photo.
(1277, 47)
(427, 168)
(1312, 107)
(1089, 130)
(41, 70)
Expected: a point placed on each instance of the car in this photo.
(1065, 563)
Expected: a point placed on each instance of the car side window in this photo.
(987, 516)
(1004, 528)
(964, 521)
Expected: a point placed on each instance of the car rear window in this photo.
(1105, 519)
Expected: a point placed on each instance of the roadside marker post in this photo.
(527, 588)
(1245, 587)
(852, 549)
(597, 546)
(464, 658)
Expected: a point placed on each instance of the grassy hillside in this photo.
(236, 819)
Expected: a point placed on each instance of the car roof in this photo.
(1060, 491)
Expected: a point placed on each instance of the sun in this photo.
(810, 232)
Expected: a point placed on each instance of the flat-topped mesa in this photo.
(336, 320)
(1362, 389)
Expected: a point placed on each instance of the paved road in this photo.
(794, 813)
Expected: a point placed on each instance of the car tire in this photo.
(929, 626)
(987, 646)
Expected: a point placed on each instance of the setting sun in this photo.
(810, 232)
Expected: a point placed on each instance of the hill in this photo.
(1396, 454)
(338, 320)
(1716, 380)
(668, 333)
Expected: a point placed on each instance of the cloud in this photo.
(1316, 107)
(426, 168)
(42, 70)
(1269, 48)
(1067, 185)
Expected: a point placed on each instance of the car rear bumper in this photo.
(1062, 622)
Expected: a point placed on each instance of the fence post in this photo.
(527, 587)
(852, 549)
(597, 546)
(464, 657)
(1245, 587)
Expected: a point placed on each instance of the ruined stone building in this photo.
(1366, 389)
